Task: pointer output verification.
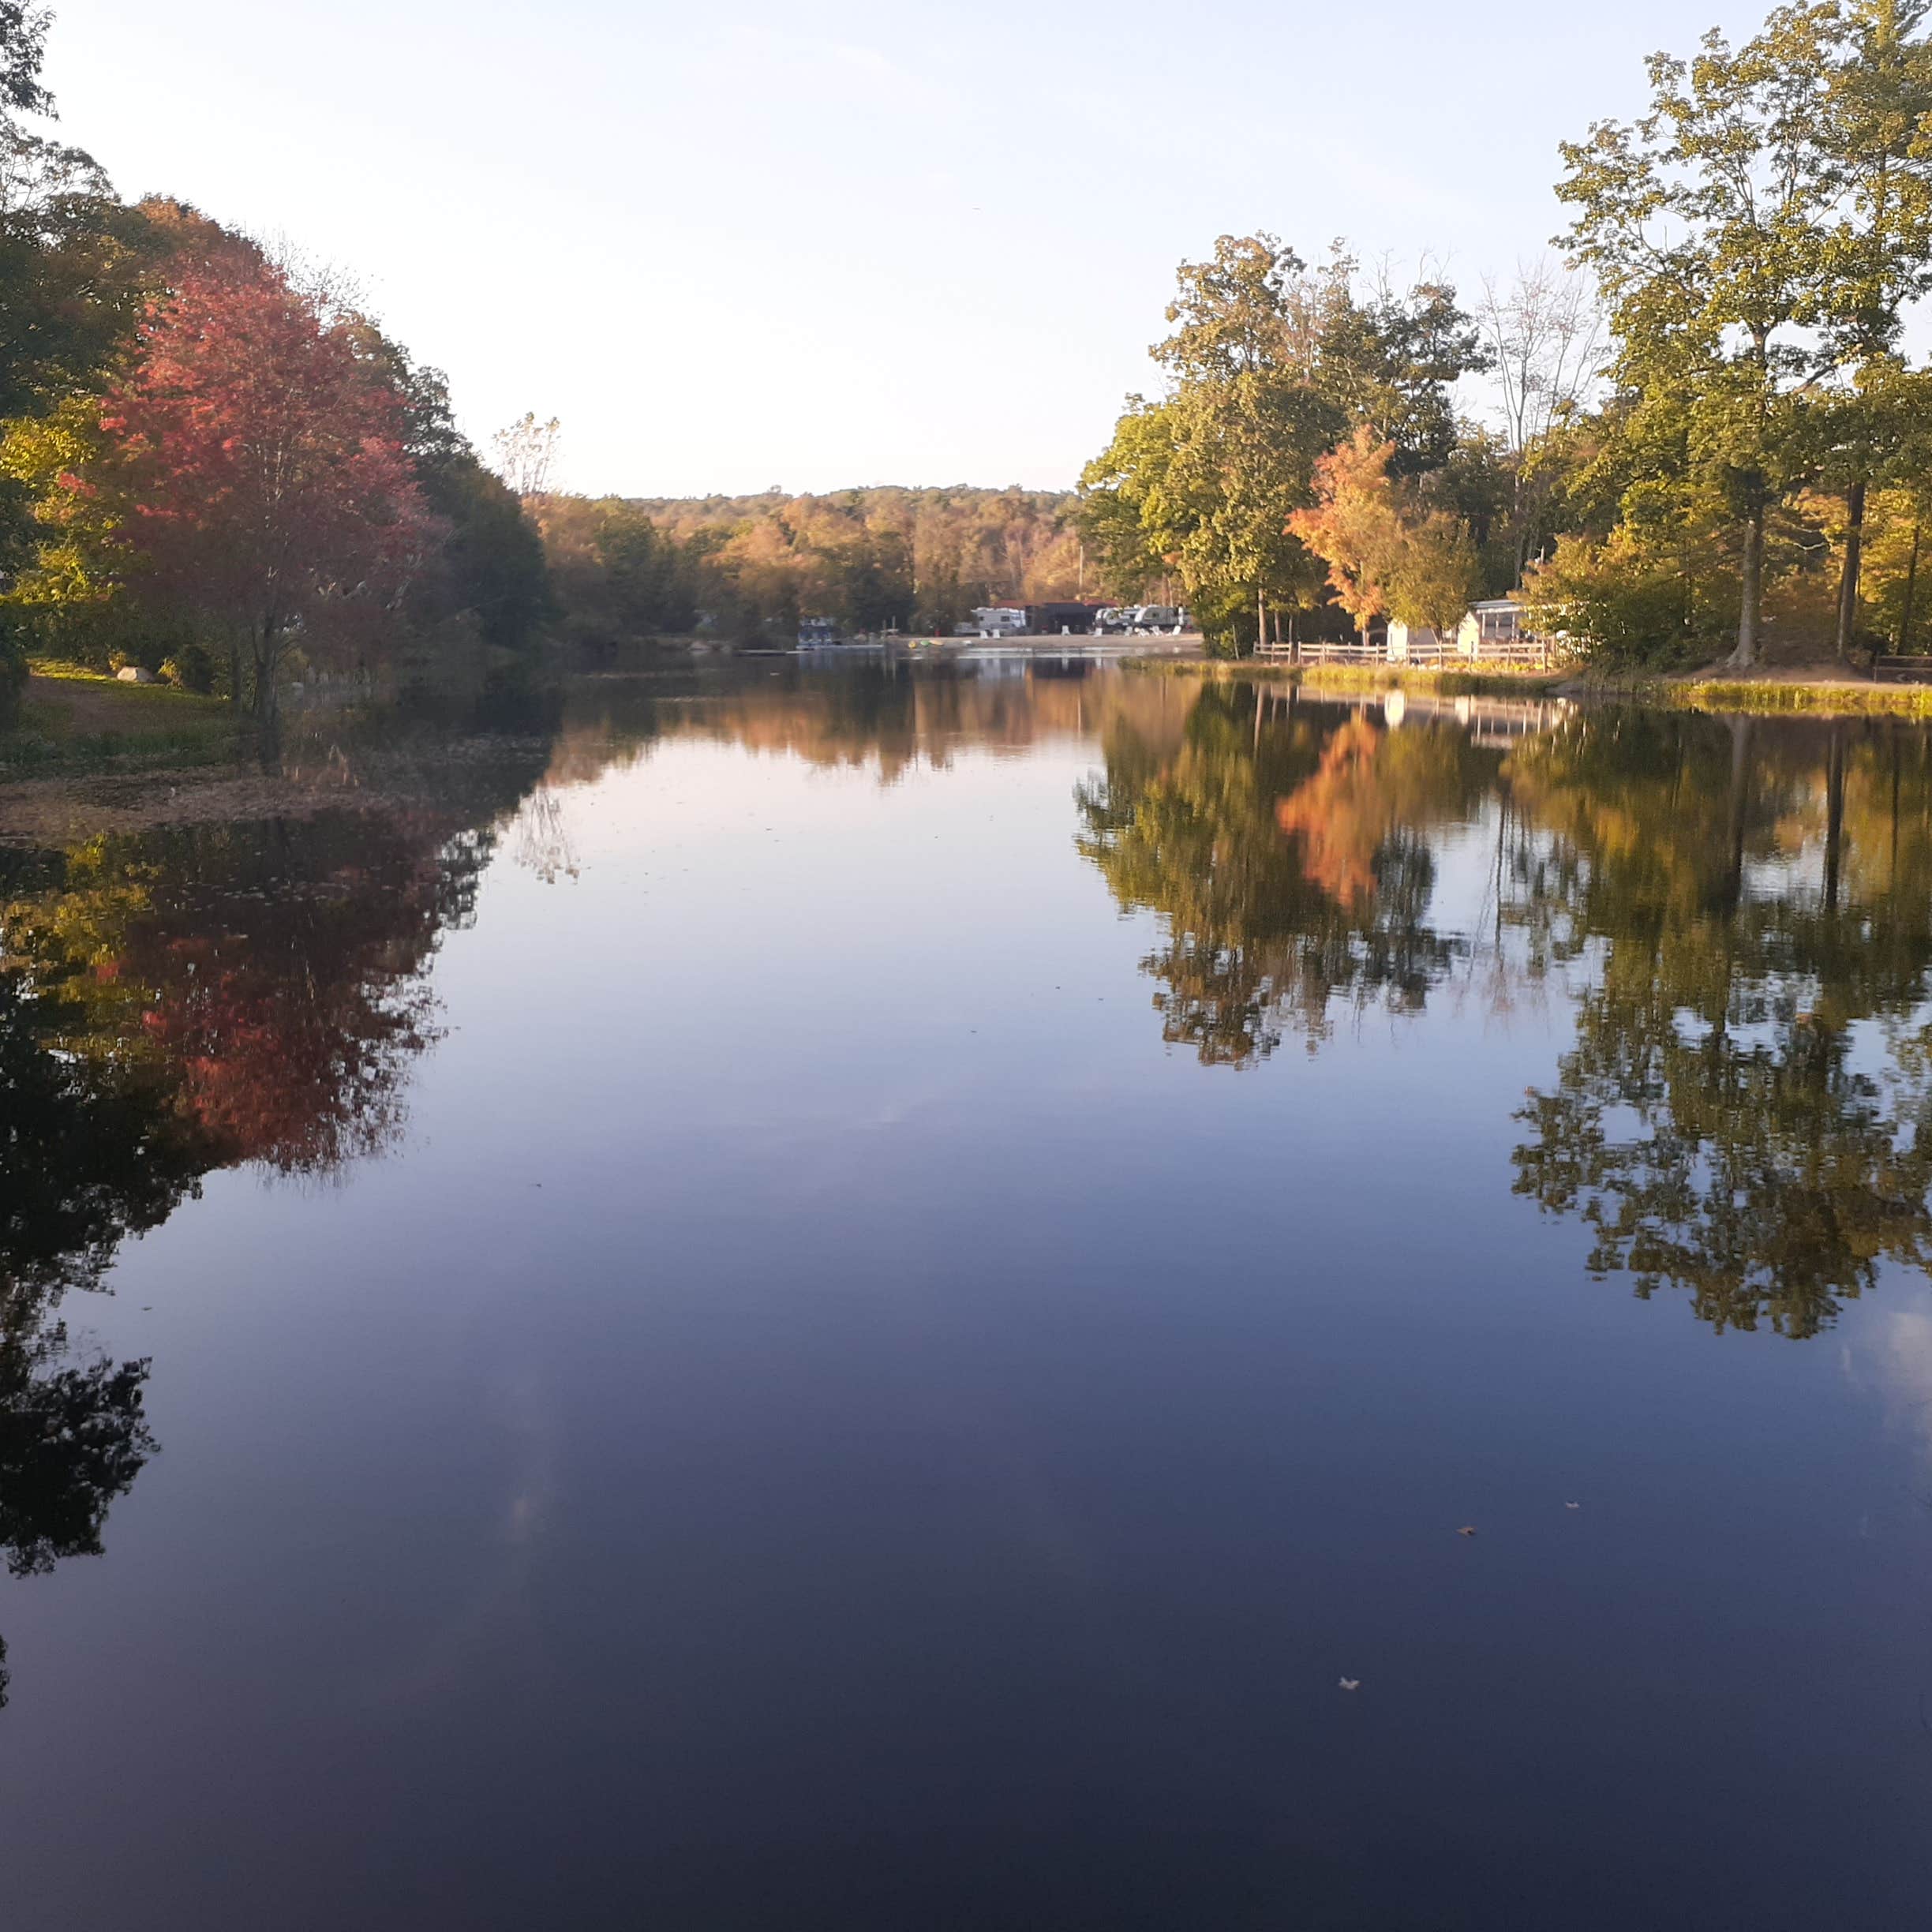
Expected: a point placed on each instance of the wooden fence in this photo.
(1522, 654)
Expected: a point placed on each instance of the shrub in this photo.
(101, 634)
(1620, 609)
(13, 677)
(191, 668)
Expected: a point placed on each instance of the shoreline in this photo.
(1773, 693)
(1363, 679)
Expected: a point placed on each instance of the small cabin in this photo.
(1490, 627)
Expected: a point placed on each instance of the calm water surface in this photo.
(844, 1302)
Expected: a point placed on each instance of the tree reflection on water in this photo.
(173, 1002)
(1745, 1110)
(1743, 913)
(1743, 909)
(1289, 856)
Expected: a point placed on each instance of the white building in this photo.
(1490, 629)
(1499, 620)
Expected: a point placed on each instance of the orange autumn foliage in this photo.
(1341, 815)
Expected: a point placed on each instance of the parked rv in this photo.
(999, 620)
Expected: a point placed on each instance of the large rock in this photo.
(136, 674)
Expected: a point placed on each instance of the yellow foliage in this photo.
(75, 558)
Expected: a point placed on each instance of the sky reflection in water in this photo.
(842, 1301)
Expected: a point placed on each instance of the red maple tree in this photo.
(260, 463)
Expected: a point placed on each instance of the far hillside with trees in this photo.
(739, 568)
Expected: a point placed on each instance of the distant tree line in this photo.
(739, 567)
(1710, 434)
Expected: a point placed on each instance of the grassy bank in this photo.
(1826, 694)
(1824, 691)
(1824, 699)
(71, 717)
(1351, 678)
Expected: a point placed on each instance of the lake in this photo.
(982, 1299)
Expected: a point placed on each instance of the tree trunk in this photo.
(1911, 584)
(1260, 621)
(1892, 874)
(1751, 587)
(1848, 580)
(1737, 807)
(265, 656)
(1834, 815)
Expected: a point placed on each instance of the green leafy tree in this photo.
(489, 570)
(1876, 255)
(1268, 366)
(23, 48)
(1128, 515)
(1703, 224)
(1389, 361)
(1214, 478)
(1620, 600)
(72, 267)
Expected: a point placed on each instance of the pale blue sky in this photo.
(739, 245)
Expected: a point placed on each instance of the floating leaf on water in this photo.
(1351, 1683)
(1467, 1529)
